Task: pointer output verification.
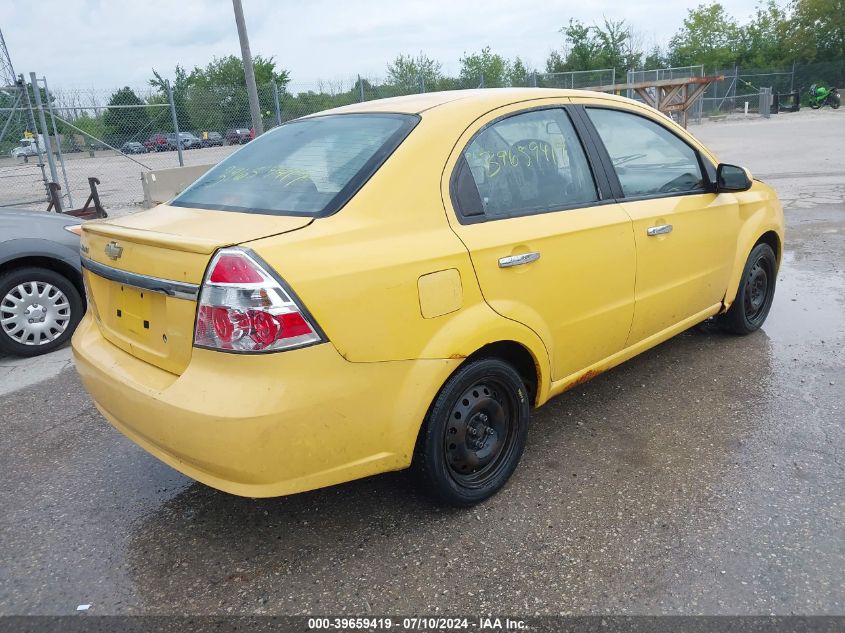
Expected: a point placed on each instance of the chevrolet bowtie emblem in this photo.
(113, 251)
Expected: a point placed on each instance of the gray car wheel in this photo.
(39, 310)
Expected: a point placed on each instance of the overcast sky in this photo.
(111, 43)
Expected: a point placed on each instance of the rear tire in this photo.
(474, 433)
(755, 293)
(39, 311)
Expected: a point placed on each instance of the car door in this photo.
(685, 233)
(550, 250)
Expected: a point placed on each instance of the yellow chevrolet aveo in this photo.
(396, 283)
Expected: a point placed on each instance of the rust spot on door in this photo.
(587, 375)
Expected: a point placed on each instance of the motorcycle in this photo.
(821, 96)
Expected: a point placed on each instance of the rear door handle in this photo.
(518, 260)
(660, 229)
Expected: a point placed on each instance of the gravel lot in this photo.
(704, 476)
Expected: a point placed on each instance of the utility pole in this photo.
(249, 71)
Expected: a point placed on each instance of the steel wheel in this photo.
(34, 313)
(479, 434)
(756, 289)
(474, 433)
(755, 293)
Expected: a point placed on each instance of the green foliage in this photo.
(816, 31)
(611, 44)
(708, 36)
(228, 72)
(764, 39)
(410, 74)
(518, 73)
(214, 98)
(484, 68)
(163, 119)
(124, 124)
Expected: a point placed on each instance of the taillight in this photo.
(243, 307)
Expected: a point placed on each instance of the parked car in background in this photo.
(157, 143)
(41, 294)
(133, 147)
(190, 141)
(186, 139)
(397, 283)
(238, 136)
(211, 139)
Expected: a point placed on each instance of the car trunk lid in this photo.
(142, 274)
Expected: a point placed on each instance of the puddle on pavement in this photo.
(809, 306)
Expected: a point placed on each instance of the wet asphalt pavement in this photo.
(704, 476)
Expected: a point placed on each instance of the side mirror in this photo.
(732, 178)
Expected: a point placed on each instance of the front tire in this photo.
(39, 310)
(755, 293)
(474, 433)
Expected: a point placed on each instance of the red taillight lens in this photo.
(243, 307)
(234, 269)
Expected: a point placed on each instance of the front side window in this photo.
(648, 158)
(527, 163)
(308, 167)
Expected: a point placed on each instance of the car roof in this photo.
(482, 98)
(34, 216)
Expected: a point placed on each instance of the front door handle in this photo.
(518, 260)
(660, 229)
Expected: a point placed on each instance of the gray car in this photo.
(42, 298)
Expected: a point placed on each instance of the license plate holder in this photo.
(132, 310)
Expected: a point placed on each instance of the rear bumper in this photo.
(264, 425)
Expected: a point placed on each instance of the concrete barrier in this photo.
(161, 185)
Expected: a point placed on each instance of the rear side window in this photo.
(309, 167)
(648, 158)
(526, 163)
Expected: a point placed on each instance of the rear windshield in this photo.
(309, 167)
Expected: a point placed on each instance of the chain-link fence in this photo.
(575, 79)
(743, 86)
(117, 135)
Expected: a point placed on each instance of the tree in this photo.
(579, 49)
(228, 71)
(518, 73)
(485, 68)
(217, 94)
(709, 36)
(409, 74)
(611, 44)
(764, 38)
(654, 59)
(123, 124)
(816, 32)
(162, 118)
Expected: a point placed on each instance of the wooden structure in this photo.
(667, 95)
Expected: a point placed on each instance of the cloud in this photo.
(114, 43)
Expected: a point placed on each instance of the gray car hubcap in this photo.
(34, 313)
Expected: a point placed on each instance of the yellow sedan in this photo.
(396, 283)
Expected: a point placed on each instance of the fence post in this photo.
(534, 78)
(360, 89)
(58, 143)
(175, 123)
(45, 131)
(481, 85)
(276, 103)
